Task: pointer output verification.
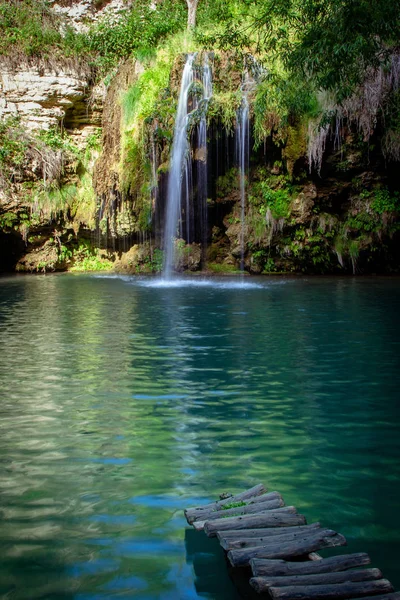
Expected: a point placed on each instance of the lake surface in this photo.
(124, 401)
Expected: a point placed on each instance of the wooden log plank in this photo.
(393, 596)
(281, 517)
(337, 591)
(256, 490)
(263, 567)
(270, 531)
(203, 514)
(244, 542)
(264, 498)
(314, 556)
(262, 584)
(246, 510)
(200, 525)
(289, 549)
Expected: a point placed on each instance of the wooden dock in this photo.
(258, 531)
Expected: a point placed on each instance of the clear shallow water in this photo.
(124, 400)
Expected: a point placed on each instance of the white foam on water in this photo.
(201, 283)
(186, 282)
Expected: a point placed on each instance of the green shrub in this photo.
(138, 31)
(384, 202)
(277, 200)
(87, 258)
(32, 28)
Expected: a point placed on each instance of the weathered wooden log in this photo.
(263, 567)
(264, 498)
(199, 525)
(257, 490)
(393, 596)
(314, 556)
(246, 510)
(282, 517)
(204, 514)
(242, 541)
(234, 534)
(331, 592)
(262, 584)
(297, 547)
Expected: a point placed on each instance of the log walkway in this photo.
(257, 530)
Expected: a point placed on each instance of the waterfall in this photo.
(180, 162)
(202, 179)
(243, 147)
(242, 152)
(180, 181)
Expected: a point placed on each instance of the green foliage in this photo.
(55, 139)
(221, 268)
(139, 102)
(227, 184)
(31, 28)
(278, 201)
(269, 266)
(13, 145)
(87, 258)
(152, 263)
(8, 220)
(385, 202)
(337, 39)
(83, 207)
(362, 221)
(52, 202)
(223, 107)
(147, 110)
(273, 192)
(139, 31)
(282, 100)
(157, 261)
(64, 253)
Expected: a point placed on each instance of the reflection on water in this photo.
(123, 401)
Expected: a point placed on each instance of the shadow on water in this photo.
(214, 576)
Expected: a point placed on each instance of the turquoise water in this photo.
(124, 401)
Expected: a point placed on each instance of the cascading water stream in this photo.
(242, 141)
(202, 179)
(180, 182)
(180, 160)
(243, 150)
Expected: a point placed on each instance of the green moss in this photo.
(223, 108)
(222, 268)
(50, 203)
(227, 184)
(233, 505)
(295, 146)
(280, 102)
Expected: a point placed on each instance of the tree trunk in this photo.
(192, 9)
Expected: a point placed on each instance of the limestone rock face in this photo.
(81, 14)
(235, 232)
(44, 94)
(302, 206)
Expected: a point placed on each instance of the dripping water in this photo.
(242, 153)
(243, 147)
(202, 179)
